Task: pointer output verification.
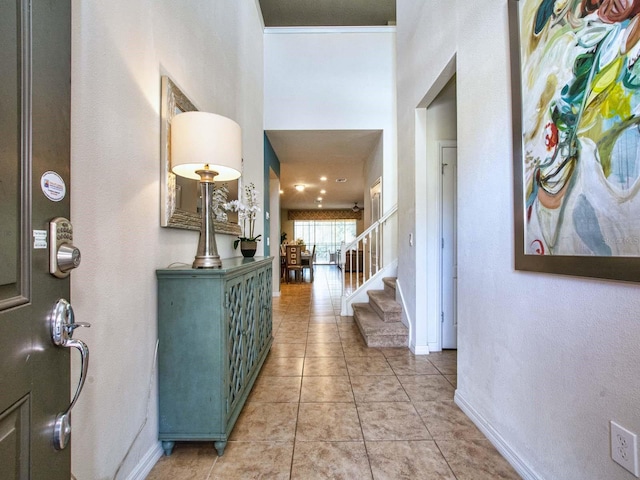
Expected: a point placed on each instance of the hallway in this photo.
(327, 407)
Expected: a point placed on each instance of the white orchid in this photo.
(246, 212)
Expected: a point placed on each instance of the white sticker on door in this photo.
(53, 186)
(40, 239)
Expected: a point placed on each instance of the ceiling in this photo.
(305, 156)
(305, 13)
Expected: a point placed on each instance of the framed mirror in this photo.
(180, 197)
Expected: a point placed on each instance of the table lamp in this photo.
(206, 147)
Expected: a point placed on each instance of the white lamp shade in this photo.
(199, 139)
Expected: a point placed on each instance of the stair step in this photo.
(390, 285)
(385, 306)
(377, 333)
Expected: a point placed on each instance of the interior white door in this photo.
(449, 256)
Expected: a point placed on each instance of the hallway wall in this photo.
(544, 361)
(214, 52)
(334, 79)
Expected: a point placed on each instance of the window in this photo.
(326, 235)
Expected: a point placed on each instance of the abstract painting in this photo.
(576, 90)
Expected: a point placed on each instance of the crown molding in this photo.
(333, 30)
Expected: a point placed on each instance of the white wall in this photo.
(544, 361)
(214, 51)
(274, 234)
(334, 79)
(425, 50)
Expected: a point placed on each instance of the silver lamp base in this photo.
(207, 262)
(207, 254)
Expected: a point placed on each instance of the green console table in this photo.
(214, 332)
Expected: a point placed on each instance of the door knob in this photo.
(68, 258)
(63, 325)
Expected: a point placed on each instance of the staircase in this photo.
(370, 258)
(380, 320)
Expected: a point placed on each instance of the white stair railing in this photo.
(363, 258)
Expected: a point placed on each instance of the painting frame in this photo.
(171, 215)
(623, 268)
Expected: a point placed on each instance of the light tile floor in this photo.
(327, 407)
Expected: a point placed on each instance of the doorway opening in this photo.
(447, 156)
(436, 214)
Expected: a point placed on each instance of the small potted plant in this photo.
(247, 212)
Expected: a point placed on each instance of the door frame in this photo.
(426, 336)
(442, 144)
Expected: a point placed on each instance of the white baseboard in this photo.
(275, 294)
(496, 439)
(406, 318)
(420, 349)
(408, 322)
(146, 463)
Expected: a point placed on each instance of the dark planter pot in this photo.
(248, 249)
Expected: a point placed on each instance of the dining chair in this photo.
(307, 263)
(293, 261)
(283, 262)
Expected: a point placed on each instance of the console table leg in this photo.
(168, 447)
(220, 447)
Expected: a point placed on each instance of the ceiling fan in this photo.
(356, 208)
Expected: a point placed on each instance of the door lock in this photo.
(63, 256)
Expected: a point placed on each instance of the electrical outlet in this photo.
(624, 448)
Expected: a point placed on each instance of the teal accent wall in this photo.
(272, 162)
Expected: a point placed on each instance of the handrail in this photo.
(365, 255)
(382, 220)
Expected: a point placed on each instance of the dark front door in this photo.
(34, 188)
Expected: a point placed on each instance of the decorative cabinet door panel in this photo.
(251, 294)
(236, 370)
(264, 310)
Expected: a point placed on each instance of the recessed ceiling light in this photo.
(320, 206)
(281, 192)
(300, 188)
(319, 199)
(324, 179)
(323, 192)
(341, 180)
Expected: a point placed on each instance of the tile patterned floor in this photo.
(327, 407)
